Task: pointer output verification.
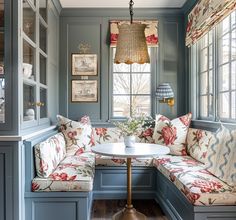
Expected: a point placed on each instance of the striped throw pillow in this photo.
(221, 156)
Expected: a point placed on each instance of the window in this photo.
(131, 89)
(216, 58)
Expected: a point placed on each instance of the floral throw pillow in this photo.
(221, 156)
(79, 135)
(172, 133)
(197, 143)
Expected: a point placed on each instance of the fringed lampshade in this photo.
(131, 44)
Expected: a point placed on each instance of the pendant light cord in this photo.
(131, 3)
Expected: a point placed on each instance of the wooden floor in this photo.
(104, 209)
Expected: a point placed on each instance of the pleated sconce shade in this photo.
(131, 44)
(164, 91)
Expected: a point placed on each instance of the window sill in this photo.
(211, 125)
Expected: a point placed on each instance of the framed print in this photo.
(84, 64)
(84, 91)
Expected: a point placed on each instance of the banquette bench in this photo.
(61, 184)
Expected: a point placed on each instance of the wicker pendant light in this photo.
(131, 42)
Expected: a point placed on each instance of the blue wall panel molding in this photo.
(92, 26)
(110, 183)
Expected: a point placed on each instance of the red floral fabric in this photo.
(74, 173)
(78, 135)
(150, 31)
(205, 15)
(172, 133)
(197, 143)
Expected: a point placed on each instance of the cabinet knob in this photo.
(39, 104)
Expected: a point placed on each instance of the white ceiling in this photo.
(122, 3)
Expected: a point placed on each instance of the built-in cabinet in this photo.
(34, 75)
(29, 72)
(7, 206)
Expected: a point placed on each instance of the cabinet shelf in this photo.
(28, 81)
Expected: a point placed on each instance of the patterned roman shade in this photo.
(150, 31)
(205, 15)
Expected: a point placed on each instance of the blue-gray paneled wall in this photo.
(92, 26)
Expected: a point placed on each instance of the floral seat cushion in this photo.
(74, 173)
(113, 161)
(198, 185)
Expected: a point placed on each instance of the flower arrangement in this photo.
(131, 126)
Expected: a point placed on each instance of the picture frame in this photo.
(84, 64)
(84, 90)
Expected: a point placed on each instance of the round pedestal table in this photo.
(139, 150)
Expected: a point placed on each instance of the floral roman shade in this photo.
(150, 31)
(205, 15)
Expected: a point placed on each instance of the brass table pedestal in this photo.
(129, 213)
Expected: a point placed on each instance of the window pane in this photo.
(43, 69)
(141, 104)
(141, 83)
(121, 106)
(203, 106)
(28, 20)
(141, 67)
(224, 78)
(210, 57)
(28, 60)
(233, 104)
(29, 107)
(224, 49)
(203, 60)
(233, 19)
(204, 41)
(233, 45)
(203, 83)
(121, 68)
(43, 102)
(210, 84)
(210, 36)
(210, 107)
(233, 75)
(43, 9)
(43, 38)
(223, 105)
(121, 83)
(224, 26)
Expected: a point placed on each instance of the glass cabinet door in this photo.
(34, 62)
(2, 74)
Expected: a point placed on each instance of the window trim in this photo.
(194, 59)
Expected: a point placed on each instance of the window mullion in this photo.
(215, 71)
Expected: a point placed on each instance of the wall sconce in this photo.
(165, 94)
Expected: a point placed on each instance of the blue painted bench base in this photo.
(110, 182)
(58, 205)
(176, 206)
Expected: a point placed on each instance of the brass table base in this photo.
(129, 214)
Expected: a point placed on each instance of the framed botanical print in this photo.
(84, 91)
(84, 64)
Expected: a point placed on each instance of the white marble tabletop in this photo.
(140, 150)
